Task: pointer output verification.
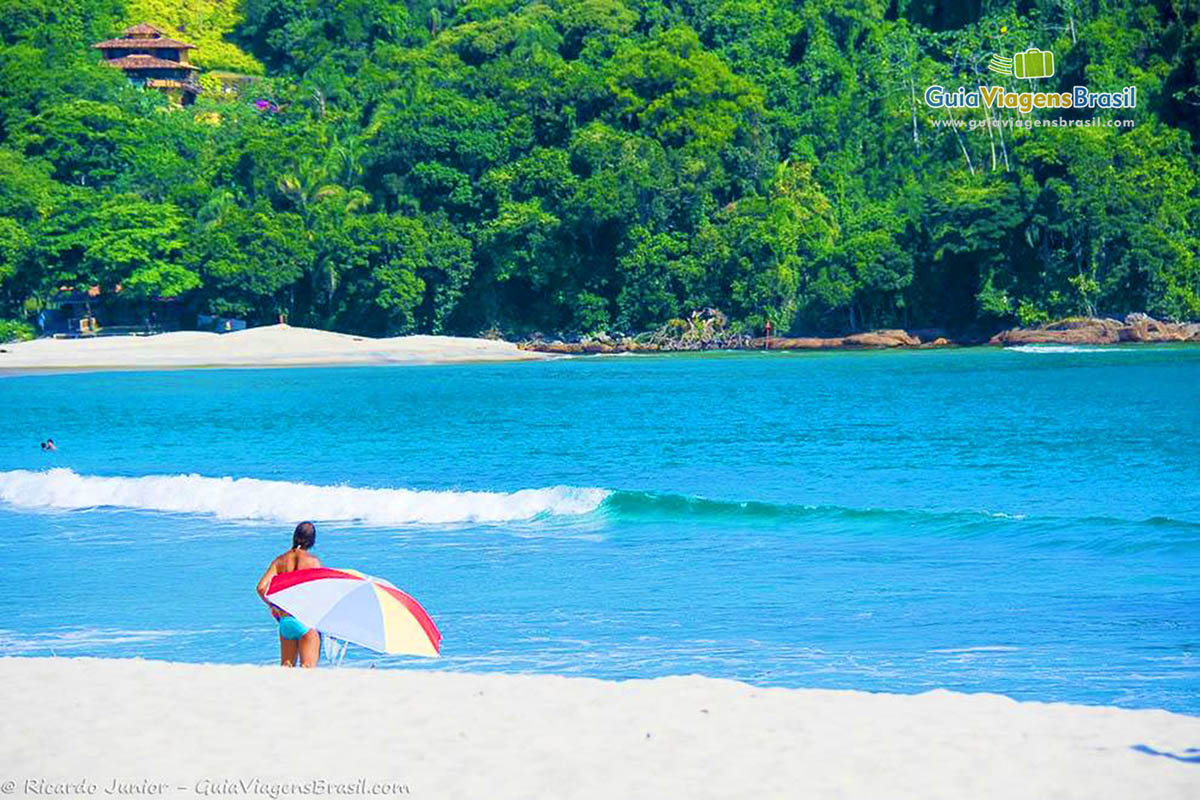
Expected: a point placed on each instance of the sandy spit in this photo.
(271, 346)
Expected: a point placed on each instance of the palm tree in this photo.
(213, 212)
(306, 186)
(314, 191)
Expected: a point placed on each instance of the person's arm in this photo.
(264, 582)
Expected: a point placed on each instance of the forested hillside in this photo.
(584, 165)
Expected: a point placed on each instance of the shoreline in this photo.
(451, 735)
(283, 346)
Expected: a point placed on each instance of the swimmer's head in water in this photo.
(305, 536)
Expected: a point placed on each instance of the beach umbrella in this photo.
(348, 605)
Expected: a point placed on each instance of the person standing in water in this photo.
(296, 640)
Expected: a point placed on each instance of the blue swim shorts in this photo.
(291, 628)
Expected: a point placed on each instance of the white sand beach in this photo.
(271, 346)
(201, 729)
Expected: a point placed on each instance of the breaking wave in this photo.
(254, 499)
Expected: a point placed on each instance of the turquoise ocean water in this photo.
(1022, 521)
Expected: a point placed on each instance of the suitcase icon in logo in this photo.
(1033, 63)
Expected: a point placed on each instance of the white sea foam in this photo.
(253, 499)
(73, 639)
(1059, 348)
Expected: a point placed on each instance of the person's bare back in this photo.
(293, 560)
(296, 640)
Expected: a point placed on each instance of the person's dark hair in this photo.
(305, 536)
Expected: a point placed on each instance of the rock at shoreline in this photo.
(1142, 328)
(800, 343)
(889, 338)
(1091, 331)
(570, 348)
(866, 341)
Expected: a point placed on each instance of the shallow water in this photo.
(1024, 522)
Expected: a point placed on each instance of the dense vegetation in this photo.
(583, 165)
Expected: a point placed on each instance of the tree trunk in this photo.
(966, 155)
(987, 118)
(912, 104)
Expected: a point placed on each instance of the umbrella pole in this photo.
(342, 655)
(329, 648)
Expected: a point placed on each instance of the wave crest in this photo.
(1061, 348)
(276, 501)
(282, 501)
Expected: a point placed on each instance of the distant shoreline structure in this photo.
(150, 58)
